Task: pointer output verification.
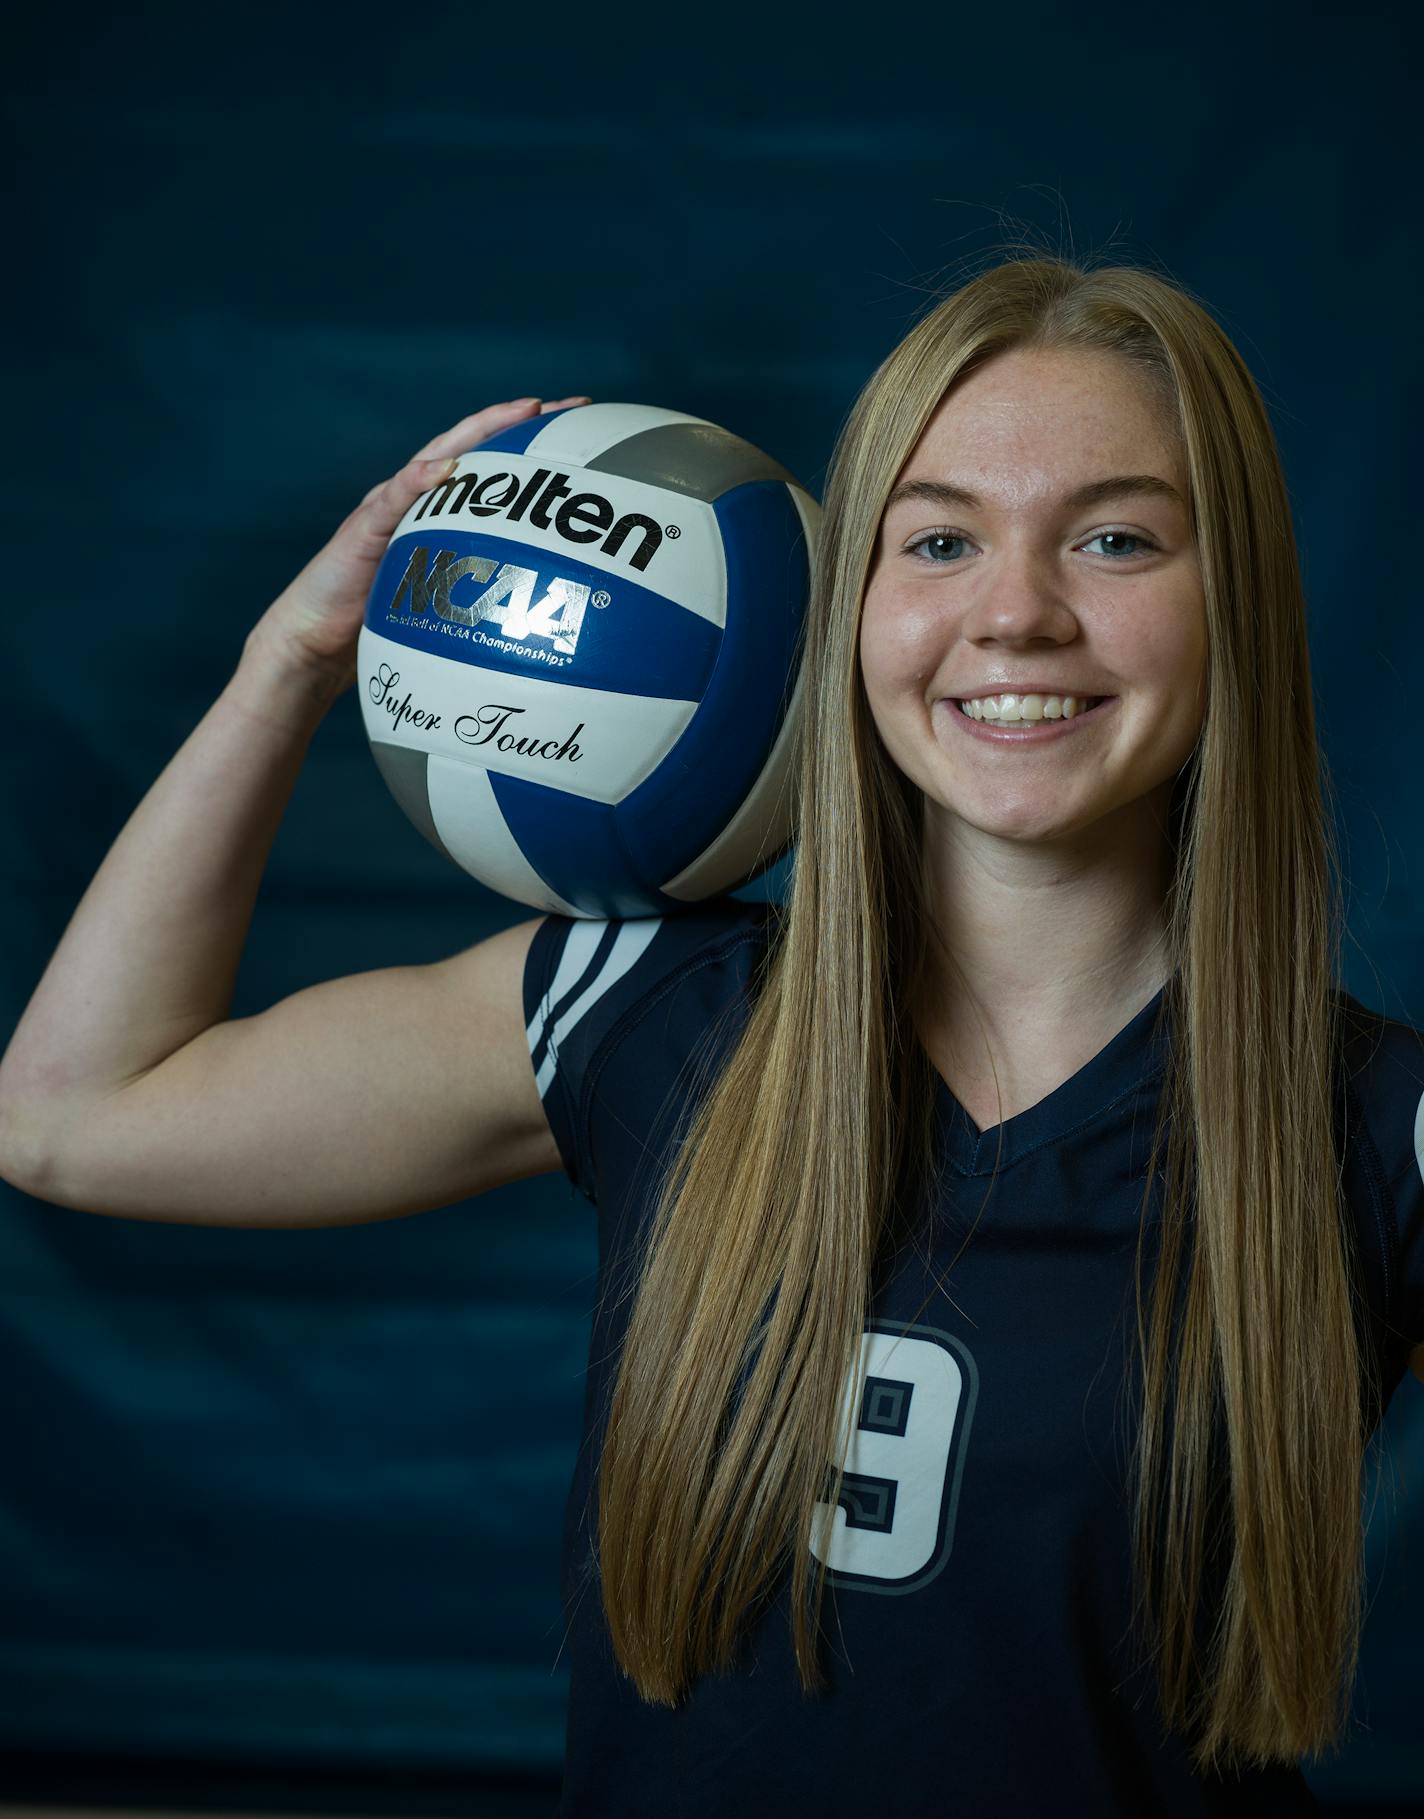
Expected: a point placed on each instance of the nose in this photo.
(1018, 602)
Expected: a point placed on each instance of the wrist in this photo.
(272, 686)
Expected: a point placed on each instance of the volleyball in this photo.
(579, 665)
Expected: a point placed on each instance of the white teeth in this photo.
(1013, 708)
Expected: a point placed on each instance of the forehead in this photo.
(1025, 423)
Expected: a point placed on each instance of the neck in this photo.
(1044, 937)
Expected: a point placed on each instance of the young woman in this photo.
(1016, 1236)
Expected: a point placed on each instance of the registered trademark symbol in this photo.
(602, 597)
(673, 532)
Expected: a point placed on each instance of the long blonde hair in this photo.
(767, 1225)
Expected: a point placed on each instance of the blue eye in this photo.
(935, 537)
(1131, 536)
(957, 537)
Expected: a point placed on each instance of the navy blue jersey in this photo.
(976, 1621)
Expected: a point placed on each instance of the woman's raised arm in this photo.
(123, 1087)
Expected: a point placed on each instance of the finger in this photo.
(365, 531)
(469, 431)
(476, 427)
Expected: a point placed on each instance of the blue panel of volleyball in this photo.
(579, 668)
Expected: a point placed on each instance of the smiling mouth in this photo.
(1030, 732)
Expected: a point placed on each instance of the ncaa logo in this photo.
(509, 601)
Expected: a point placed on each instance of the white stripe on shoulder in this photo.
(629, 944)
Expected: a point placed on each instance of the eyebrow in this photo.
(1096, 492)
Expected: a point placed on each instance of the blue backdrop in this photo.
(281, 1502)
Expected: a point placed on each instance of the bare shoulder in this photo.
(479, 995)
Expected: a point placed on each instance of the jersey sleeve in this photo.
(616, 1008)
(1388, 1077)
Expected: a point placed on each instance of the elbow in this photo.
(24, 1156)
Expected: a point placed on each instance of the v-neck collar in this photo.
(1137, 1052)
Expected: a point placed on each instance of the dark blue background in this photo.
(289, 1503)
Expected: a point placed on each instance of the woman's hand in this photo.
(313, 624)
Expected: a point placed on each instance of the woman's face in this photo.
(1010, 586)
